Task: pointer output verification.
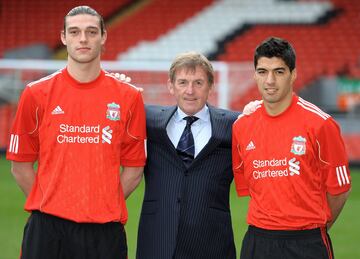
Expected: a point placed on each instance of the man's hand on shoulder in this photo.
(126, 79)
(251, 107)
(122, 77)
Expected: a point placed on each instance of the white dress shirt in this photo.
(201, 129)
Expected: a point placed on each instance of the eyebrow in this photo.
(275, 69)
(184, 79)
(78, 28)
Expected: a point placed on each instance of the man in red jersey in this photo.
(289, 157)
(80, 124)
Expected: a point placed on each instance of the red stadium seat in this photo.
(31, 22)
(324, 49)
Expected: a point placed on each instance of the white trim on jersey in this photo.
(342, 175)
(128, 125)
(312, 108)
(14, 143)
(44, 78)
(37, 121)
(145, 146)
(238, 149)
(320, 153)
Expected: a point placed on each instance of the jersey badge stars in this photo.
(298, 146)
(113, 111)
(57, 110)
(250, 146)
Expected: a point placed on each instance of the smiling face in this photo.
(191, 89)
(83, 38)
(275, 83)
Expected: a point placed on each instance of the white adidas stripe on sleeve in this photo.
(342, 176)
(14, 143)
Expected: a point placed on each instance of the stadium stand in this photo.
(146, 24)
(352, 144)
(33, 22)
(220, 19)
(7, 112)
(327, 47)
(325, 33)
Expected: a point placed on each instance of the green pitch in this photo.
(344, 234)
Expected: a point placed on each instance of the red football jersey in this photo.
(80, 133)
(287, 163)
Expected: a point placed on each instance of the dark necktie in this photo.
(186, 147)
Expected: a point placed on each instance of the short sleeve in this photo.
(23, 143)
(238, 165)
(133, 145)
(334, 159)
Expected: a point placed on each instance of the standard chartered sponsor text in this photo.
(272, 162)
(270, 173)
(274, 168)
(82, 129)
(79, 128)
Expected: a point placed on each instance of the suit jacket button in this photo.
(178, 200)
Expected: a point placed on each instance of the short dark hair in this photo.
(276, 47)
(191, 60)
(86, 10)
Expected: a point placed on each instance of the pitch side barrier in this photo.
(231, 81)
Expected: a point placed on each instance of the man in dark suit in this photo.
(185, 213)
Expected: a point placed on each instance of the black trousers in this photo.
(278, 244)
(47, 236)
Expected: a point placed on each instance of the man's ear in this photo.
(254, 76)
(293, 75)
(104, 37)
(170, 86)
(62, 36)
(211, 88)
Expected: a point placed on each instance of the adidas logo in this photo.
(57, 110)
(250, 146)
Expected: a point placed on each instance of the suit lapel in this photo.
(218, 127)
(162, 121)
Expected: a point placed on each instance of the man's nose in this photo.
(83, 37)
(270, 79)
(189, 89)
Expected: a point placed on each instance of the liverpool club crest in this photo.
(113, 111)
(298, 146)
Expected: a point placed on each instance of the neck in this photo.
(84, 72)
(276, 108)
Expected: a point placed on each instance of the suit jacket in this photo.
(185, 212)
